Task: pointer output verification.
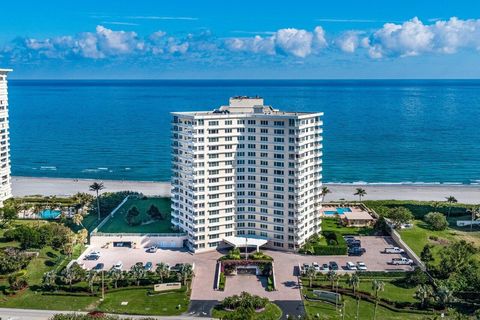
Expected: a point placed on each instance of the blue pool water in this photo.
(50, 214)
(339, 211)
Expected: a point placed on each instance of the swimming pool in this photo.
(338, 211)
(49, 214)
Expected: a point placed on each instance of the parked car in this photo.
(351, 266)
(349, 238)
(356, 251)
(325, 267)
(394, 250)
(361, 266)
(118, 265)
(152, 249)
(98, 267)
(91, 257)
(304, 268)
(354, 244)
(402, 261)
(95, 252)
(177, 267)
(140, 264)
(148, 266)
(333, 265)
(315, 266)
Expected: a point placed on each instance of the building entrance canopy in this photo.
(243, 242)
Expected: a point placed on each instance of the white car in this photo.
(94, 253)
(361, 266)
(315, 266)
(351, 266)
(402, 261)
(118, 265)
(394, 250)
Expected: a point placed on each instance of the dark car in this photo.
(333, 265)
(148, 266)
(98, 267)
(92, 257)
(357, 251)
(354, 244)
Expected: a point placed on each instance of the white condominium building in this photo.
(247, 170)
(5, 183)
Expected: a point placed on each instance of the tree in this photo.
(115, 275)
(154, 213)
(137, 272)
(436, 220)
(360, 193)
(353, 281)
(49, 280)
(311, 274)
(77, 219)
(72, 274)
(451, 200)
(399, 216)
(427, 255)
(132, 216)
(423, 293)
(456, 257)
(82, 236)
(92, 279)
(324, 192)
(7, 214)
(377, 286)
(475, 214)
(17, 282)
(332, 276)
(162, 271)
(186, 273)
(443, 295)
(97, 187)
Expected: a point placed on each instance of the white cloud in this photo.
(348, 41)
(413, 37)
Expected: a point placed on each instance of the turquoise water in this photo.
(374, 131)
(338, 211)
(50, 214)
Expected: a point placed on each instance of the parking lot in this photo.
(130, 256)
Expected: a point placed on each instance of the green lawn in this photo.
(139, 302)
(118, 224)
(393, 290)
(327, 311)
(333, 224)
(420, 235)
(271, 312)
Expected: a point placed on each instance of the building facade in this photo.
(246, 170)
(5, 179)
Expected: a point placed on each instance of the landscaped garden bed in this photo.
(247, 307)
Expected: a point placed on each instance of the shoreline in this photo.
(465, 193)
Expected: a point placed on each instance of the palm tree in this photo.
(115, 275)
(92, 279)
(360, 193)
(475, 214)
(443, 295)
(451, 200)
(77, 219)
(332, 276)
(324, 192)
(162, 271)
(423, 293)
(137, 272)
(49, 279)
(353, 281)
(311, 274)
(377, 286)
(96, 187)
(186, 273)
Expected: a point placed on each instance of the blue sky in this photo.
(242, 39)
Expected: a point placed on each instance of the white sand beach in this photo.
(23, 186)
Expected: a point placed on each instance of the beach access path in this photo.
(22, 186)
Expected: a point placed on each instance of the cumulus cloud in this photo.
(290, 41)
(413, 37)
(410, 38)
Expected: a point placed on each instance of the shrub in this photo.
(436, 220)
(17, 282)
(132, 217)
(12, 260)
(221, 285)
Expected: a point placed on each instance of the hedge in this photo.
(221, 285)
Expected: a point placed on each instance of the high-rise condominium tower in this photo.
(247, 170)
(5, 183)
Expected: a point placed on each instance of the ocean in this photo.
(395, 131)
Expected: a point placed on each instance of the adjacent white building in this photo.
(5, 180)
(246, 170)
